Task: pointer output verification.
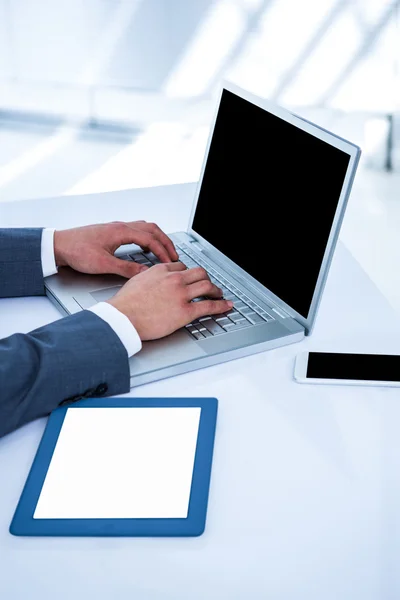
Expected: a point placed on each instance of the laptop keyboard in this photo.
(245, 313)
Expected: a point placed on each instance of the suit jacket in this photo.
(76, 357)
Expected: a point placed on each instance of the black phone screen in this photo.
(367, 367)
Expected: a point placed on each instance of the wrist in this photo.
(59, 253)
(126, 310)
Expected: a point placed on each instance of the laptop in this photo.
(265, 221)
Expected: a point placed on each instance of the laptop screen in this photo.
(268, 198)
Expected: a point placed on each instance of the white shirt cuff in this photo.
(49, 266)
(121, 326)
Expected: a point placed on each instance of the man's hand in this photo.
(91, 249)
(158, 302)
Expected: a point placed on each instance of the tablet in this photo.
(121, 467)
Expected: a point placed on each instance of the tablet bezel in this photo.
(23, 523)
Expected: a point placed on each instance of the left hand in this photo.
(91, 249)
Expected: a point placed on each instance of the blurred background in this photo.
(102, 95)
(99, 95)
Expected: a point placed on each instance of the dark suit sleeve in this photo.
(20, 263)
(76, 357)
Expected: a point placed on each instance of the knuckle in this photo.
(147, 237)
(161, 267)
(122, 227)
(200, 272)
(152, 227)
(176, 277)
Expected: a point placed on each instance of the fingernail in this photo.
(230, 303)
(143, 268)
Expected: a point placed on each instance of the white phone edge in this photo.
(300, 375)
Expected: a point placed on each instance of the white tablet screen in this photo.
(121, 463)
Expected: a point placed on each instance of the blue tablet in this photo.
(121, 467)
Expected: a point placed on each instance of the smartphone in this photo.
(332, 368)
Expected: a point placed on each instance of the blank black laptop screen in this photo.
(268, 198)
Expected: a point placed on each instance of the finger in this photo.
(163, 238)
(209, 307)
(195, 274)
(174, 266)
(203, 288)
(125, 268)
(128, 235)
(160, 236)
(147, 241)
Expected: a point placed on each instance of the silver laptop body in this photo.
(265, 221)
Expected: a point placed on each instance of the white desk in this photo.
(305, 495)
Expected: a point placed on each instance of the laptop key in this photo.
(246, 310)
(237, 325)
(230, 326)
(213, 327)
(230, 297)
(266, 316)
(141, 260)
(222, 321)
(206, 333)
(254, 318)
(239, 305)
(191, 328)
(152, 257)
(237, 317)
(258, 309)
(198, 335)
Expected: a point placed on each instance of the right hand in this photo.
(158, 301)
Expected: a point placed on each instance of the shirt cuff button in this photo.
(101, 389)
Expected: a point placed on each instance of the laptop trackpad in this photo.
(159, 354)
(177, 348)
(103, 295)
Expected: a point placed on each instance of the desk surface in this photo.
(305, 495)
